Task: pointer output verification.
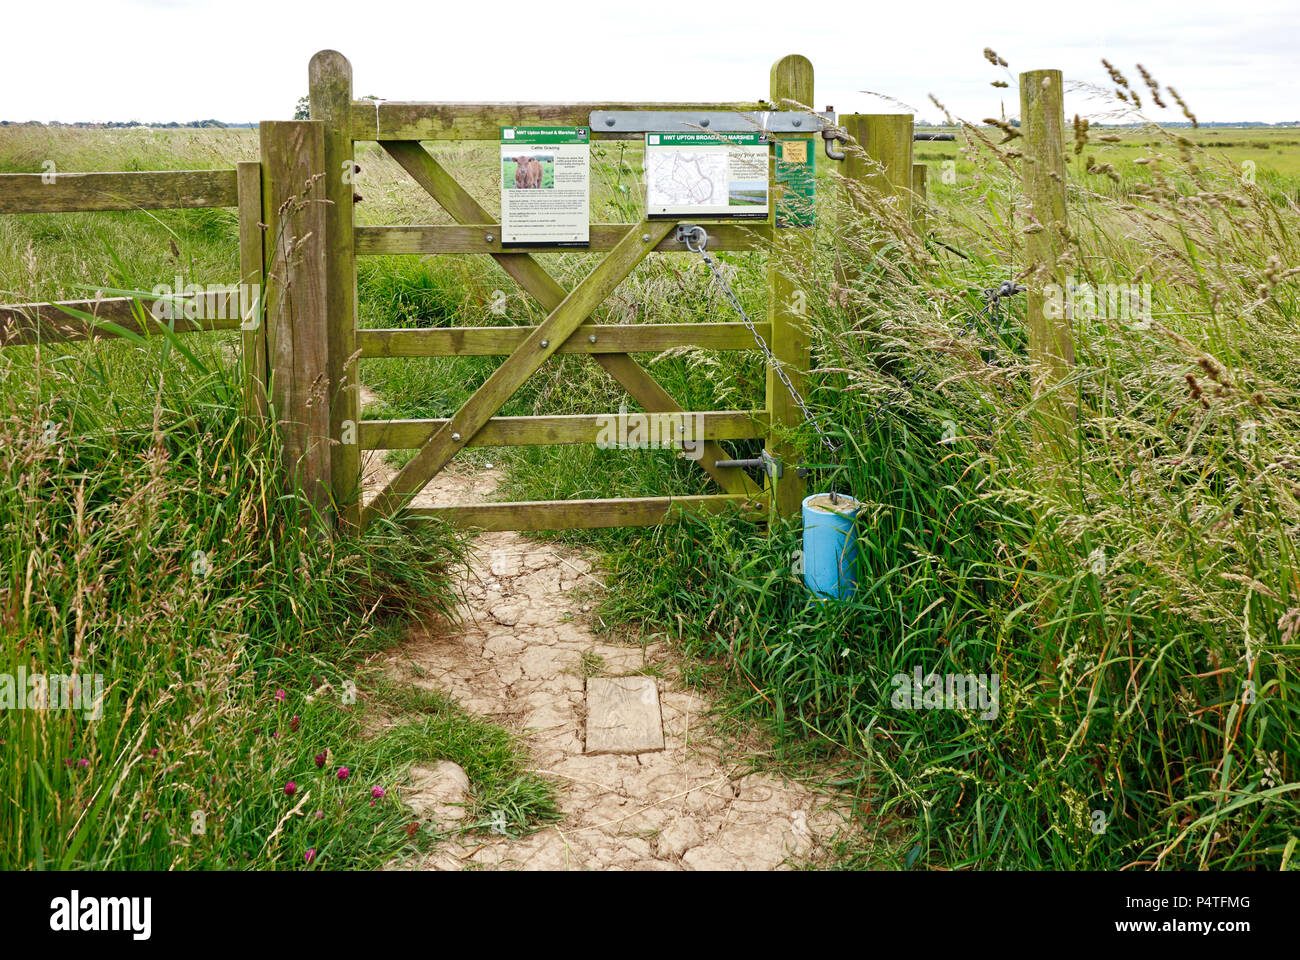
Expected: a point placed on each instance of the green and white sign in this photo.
(702, 174)
(795, 191)
(545, 186)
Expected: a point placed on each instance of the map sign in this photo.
(697, 174)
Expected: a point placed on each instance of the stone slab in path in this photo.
(623, 715)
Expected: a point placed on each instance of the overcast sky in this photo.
(237, 61)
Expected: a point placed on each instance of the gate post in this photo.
(293, 209)
(330, 94)
(885, 164)
(791, 80)
(251, 285)
(1051, 342)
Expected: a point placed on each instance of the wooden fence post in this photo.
(885, 164)
(1051, 343)
(791, 80)
(881, 165)
(920, 201)
(251, 284)
(330, 88)
(293, 209)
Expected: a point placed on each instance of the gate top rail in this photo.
(403, 120)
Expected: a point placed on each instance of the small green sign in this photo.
(795, 185)
(535, 135)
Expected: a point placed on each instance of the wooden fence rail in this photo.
(23, 324)
(234, 306)
(143, 190)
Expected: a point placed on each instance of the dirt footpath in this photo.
(526, 658)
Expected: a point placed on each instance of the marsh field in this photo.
(1137, 595)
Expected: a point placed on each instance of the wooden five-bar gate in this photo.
(299, 244)
(338, 121)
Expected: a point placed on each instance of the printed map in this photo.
(686, 178)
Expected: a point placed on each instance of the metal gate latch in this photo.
(767, 463)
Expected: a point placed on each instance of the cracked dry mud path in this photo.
(523, 656)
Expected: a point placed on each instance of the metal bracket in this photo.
(693, 236)
(767, 463)
(717, 121)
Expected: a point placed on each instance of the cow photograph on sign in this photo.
(526, 172)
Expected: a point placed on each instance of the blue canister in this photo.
(830, 545)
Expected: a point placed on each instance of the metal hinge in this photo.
(716, 121)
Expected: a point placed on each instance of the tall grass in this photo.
(1135, 595)
(163, 554)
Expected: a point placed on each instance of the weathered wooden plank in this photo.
(397, 120)
(432, 239)
(568, 428)
(137, 190)
(293, 198)
(623, 715)
(610, 338)
(330, 89)
(588, 514)
(26, 323)
(501, 385)
(253, 338)
(542, 287)
(791, 82)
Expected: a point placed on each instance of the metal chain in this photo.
(992, 300)
(703, 239)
